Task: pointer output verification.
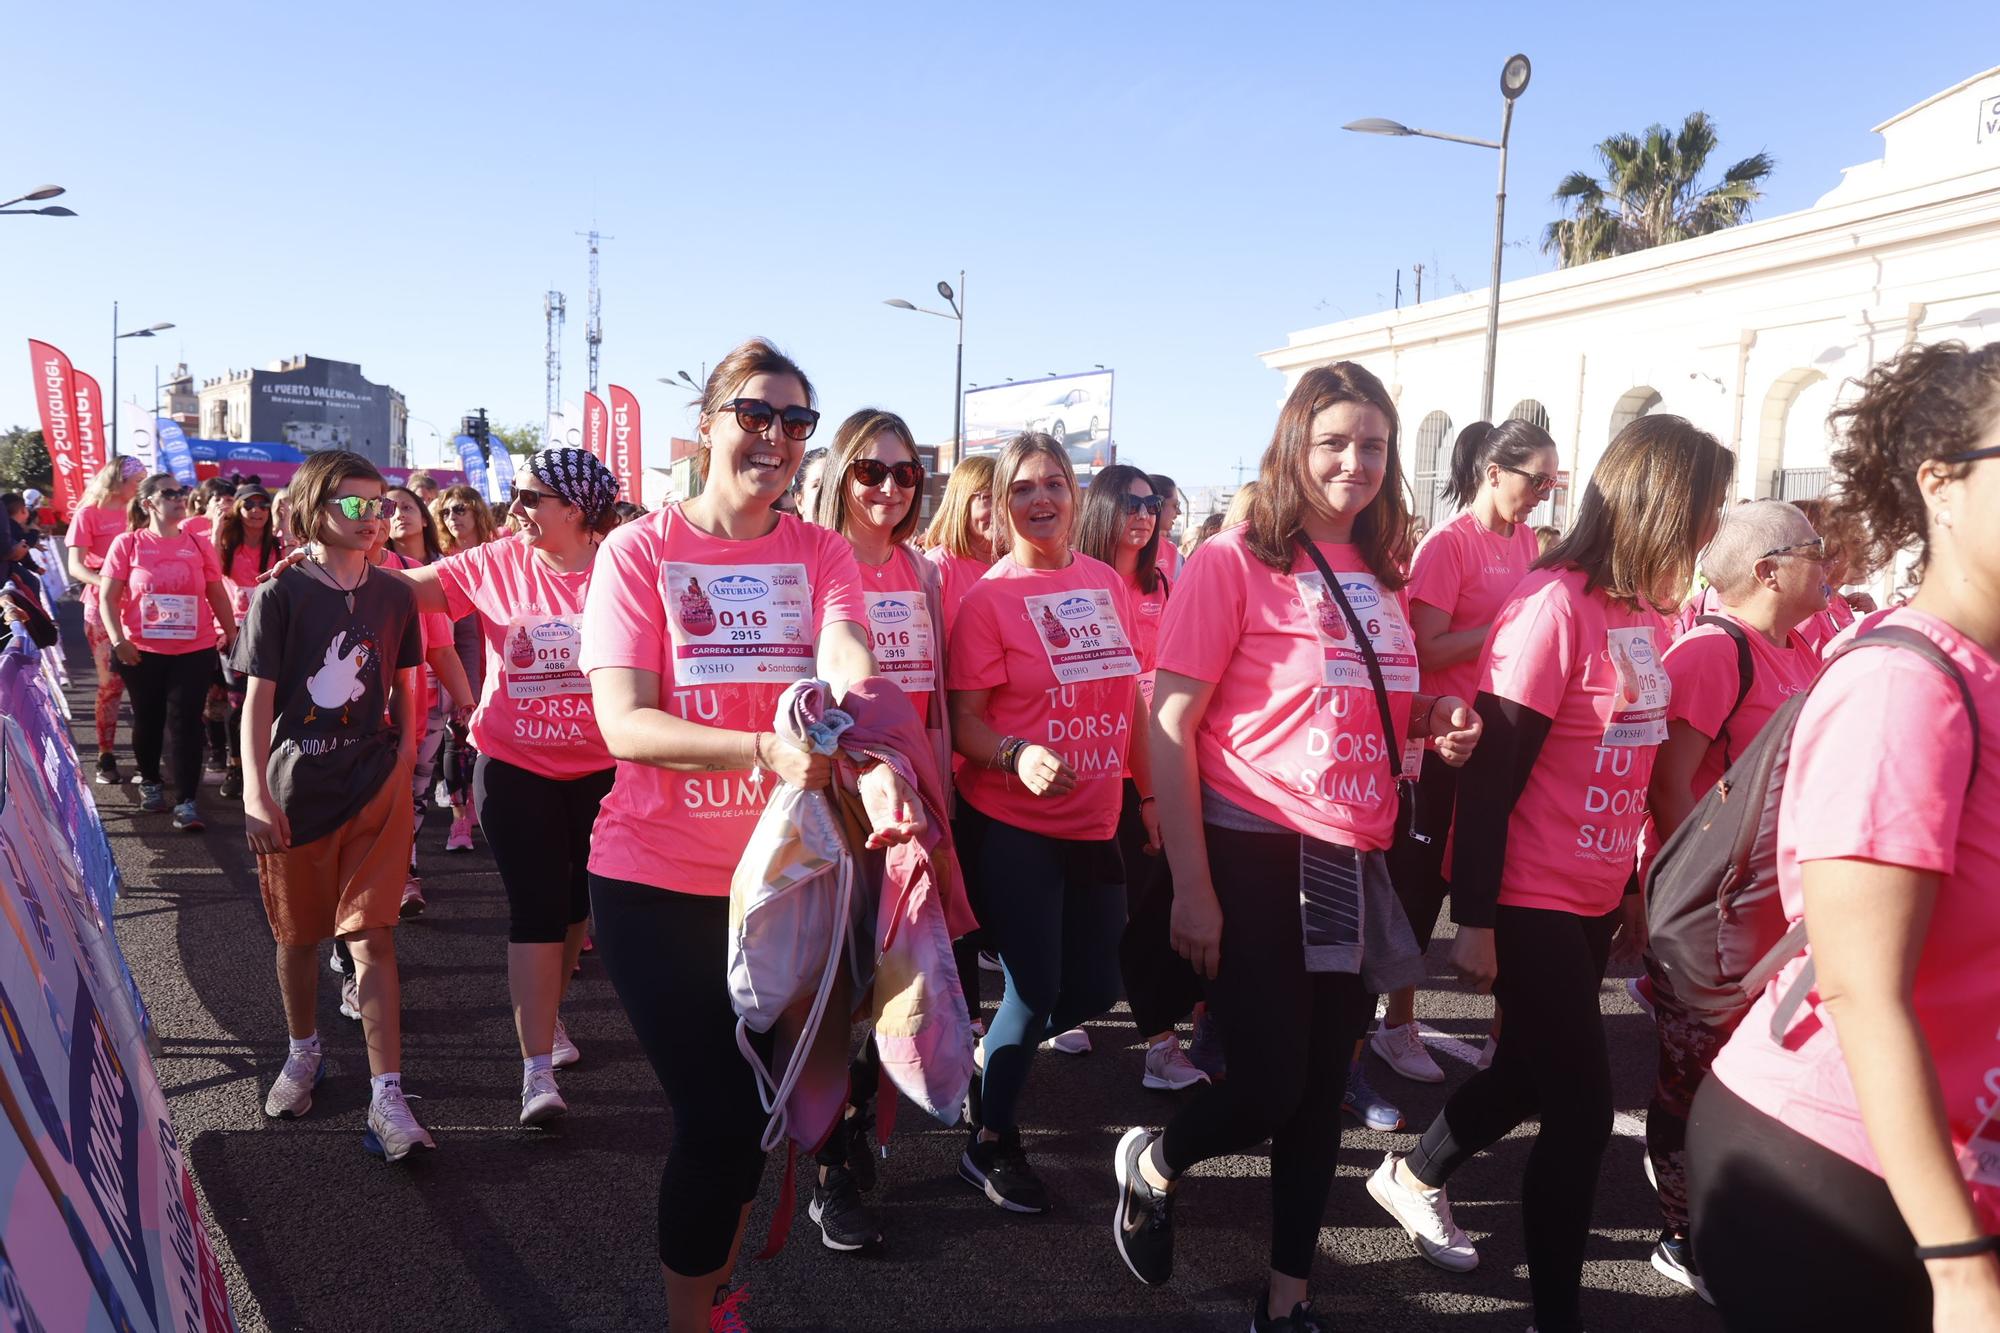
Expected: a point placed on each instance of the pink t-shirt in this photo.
(900, 633)
(241, 577)
(536, 711)
(1054, 648)
(1292, 731)
(1702, 667)
(958, 574)
(1148, 611)
(1878, 773)
(1592, 666)
(1820, 629)
(1169, 558)
(201, 525)
(1467, 571)
(726, 626)
(166, 579)
(91, 531)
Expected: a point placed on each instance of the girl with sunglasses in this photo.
(1462, 574)
(99, 520)
(1845, 1172)
(1045, 707)
(699, 616)
(247, 544)
(1120, 525)
(1287, 688)
(163, 599)
(463, 521)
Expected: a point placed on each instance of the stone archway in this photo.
(1638, 401)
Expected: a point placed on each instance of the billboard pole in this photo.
(958, 387)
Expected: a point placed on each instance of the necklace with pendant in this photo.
(347, 593)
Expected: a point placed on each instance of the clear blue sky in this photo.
(1162, 188)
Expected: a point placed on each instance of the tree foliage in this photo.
(1650, 193)
(24, 461)
(522, 439)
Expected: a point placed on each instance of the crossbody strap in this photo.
(1392, 752)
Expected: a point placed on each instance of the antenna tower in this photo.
(593, 330)
(553, 310)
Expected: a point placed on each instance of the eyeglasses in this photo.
(1541, 481)
(1814, 550)
(755, 416)
(1152, 504)
(529, 499)
(456, 511)
(1973, 455)
(357, 508)
(873, 472)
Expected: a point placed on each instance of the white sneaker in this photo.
(292, 1094)
(393, 1132)
(350, 998)
(1402, 1049)
(1168, 1068)
(1425, 1216)
(563, 1053)
(1073, 1042)
(540, 1102)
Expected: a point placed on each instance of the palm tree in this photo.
(1650, 194)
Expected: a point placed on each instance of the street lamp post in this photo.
(36, 195)
(956, 300)
(146, 332)
(1513, 82)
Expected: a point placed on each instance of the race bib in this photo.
(1640, 692)
(1381, 617)
(168, 615)
(1081, 633)
(739, 624)
(540, 657)
(899, 634)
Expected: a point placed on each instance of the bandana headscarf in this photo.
(130, 466)
(578, 477)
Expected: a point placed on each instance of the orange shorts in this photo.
(347, 882)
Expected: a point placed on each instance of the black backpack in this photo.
(1716, 928)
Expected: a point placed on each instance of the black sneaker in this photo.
(1143, 1225)
(999, 1169)
(232, 784)
(1673, 1259)
(1300, 1320)
(845, 1223)
(107, 769)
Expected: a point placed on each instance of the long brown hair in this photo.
(1012, 459)
(746, 361)
(482, 517)
(1283, 497)
(230, 534)
(854, 435)
(433, 548)
(1638, 532)
(951, 525)
(1100, 523)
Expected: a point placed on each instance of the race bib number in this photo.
(1381, 618)
(540, 657)
(168, 615)
(1639, 692)
(240, 596)
(739, 624)
(899, 634)
(1081, 633)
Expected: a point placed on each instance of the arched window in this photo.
(1792, 440)
(1528, 410)
(1431, 473)
(1635, 403)
(1555, 509)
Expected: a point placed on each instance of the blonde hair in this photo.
(104, 484)
(482, 517)
(1013, 458)
(1239, 505)
(951, 526)
(854, 435)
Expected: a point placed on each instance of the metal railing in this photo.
(1801, 483)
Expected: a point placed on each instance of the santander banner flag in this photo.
(55, 395)
(92, 430)
(596, 426)
(625, 455)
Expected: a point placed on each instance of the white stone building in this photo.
(1750, 333)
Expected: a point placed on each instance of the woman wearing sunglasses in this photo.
(98, 521)
(1845, 1173)
(163, 599)
(699, 616)
(1120, 525)
(1287, 688)
(1045, 707)
(463, 522)
(1460, 577)
(247, 544)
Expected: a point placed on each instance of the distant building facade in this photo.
(310, 403)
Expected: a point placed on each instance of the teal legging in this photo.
(1053, 909)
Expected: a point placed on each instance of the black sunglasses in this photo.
(164, 493)
(1541, 481)
(453, 511)
(1152, 504)
(528, 499)
(755, 416)
(248, 505)
(873, 472)
(1973, 455)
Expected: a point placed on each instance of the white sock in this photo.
(305, 1045)
(535, 1064)
(383, 1084)
(1153, 1166)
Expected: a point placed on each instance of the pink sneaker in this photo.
(726, 1315)
(460, 837)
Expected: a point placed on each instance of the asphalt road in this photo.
(504, 1228)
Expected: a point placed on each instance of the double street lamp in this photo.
(116, 338)
(957, 303)
(35, 196)
(1513, 82)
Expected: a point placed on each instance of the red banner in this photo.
(625, 455)
(55, 395)
(92, 427)
(596, 426)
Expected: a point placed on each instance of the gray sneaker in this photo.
(152, 798)
(292, 1095)
(393, 1132)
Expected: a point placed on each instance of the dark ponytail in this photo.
(1512, 443)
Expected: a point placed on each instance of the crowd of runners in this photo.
(1234, 785)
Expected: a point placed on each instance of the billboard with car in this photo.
(1075, 409)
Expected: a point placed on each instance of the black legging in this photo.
(539, 830)
(1160, 985)
(169, 687)
(1789, 1234)
(666, 954)
(1288, 1035)
(1416, 866)
(1551, 1063)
